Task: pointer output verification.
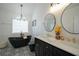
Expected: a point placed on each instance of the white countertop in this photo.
(62, 44)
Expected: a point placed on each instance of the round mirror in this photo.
(49, 22)
(70, 18)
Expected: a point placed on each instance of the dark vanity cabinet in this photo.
(44, 49)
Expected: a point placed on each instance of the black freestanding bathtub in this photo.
(19, 41)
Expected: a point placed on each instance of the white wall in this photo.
(38, 15)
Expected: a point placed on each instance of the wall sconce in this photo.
(54, 7)
(53, 4)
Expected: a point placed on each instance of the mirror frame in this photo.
(52, 19)
(62, 22)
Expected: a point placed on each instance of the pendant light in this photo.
(21, 11)
(21, 17)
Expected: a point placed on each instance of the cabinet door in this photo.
(48, 49)
(42, 50)
(36, 49)
(57, 52)
(39, 51)
(60, 52)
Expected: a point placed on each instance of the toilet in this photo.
(3, 44)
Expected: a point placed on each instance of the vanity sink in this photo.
(69, 42)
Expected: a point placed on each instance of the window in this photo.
(19, 26)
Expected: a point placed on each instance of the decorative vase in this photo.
(57, 35)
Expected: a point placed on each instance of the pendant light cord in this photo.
(21, 10)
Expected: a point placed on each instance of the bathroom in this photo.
(41, 20)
